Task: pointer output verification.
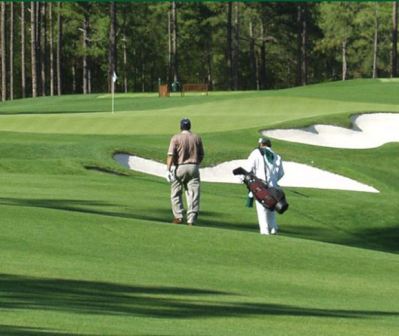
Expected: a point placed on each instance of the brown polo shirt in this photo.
(186, 147)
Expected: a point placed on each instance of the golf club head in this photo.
(240, 171)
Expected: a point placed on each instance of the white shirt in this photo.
(271, 172)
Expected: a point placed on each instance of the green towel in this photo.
(268, 154)
(250, 202)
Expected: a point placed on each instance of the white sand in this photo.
(296, 174)
(369, 131)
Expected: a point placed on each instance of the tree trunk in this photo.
(73, 78)
(3, 52)
(394, 53)
(142, 74)
(252, 57)
(124, 64)
(43, 44)
(230, 44)
(59, 49)
(236, 49)
(112, 46)
(11, 53)
(344, 63)
(174, 59)
(88, 60)
(22, 32)
(208, 57)
(262, 66)
(89, 80)
(38, 46)
(209, 75)
(299, 19)
(169, 48)
(304, 66)
(51, 46)
(375, 44)
(257, 64)
(33, 47)
(84, 46)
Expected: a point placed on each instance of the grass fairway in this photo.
(87, 247)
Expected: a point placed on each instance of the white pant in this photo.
(266, 219)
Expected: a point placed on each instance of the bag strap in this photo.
(265, 164)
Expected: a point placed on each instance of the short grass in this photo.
(92, 251)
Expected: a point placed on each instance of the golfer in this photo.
(184, 157)
(266, 165)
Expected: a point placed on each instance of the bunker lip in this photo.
(370, 130)
(296, 174)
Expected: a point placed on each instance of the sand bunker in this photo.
(368, 131)
(296, 174)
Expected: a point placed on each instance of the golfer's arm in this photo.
(169, 162)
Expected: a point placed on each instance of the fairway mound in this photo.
(368, 131)
(296, 174)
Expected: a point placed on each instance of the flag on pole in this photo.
(114, 77)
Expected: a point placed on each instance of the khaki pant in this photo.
(187, 178)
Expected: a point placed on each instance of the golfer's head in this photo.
(185, 124)
(265, 142)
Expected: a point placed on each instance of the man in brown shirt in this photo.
(184, 157)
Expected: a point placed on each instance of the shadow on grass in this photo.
(381, 239)
(88, 207)
(164, 215)
(214, 219)
(385, 238)
(91, 297)
(10, 330)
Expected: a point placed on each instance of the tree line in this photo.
(54, 48)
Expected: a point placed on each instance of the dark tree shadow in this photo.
(385, 239)
(91, 297)
(380, 239)
(158, 214)
(213, 219)
(89, 207)
(9, 330)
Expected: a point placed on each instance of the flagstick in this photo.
(113, 80)
(113, 94)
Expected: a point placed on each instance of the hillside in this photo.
(87, 247)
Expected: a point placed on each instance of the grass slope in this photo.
(91, 253)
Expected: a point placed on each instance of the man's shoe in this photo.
(177, 220)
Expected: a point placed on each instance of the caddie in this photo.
(267, 166)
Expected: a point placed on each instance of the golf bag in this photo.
(271, 198)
